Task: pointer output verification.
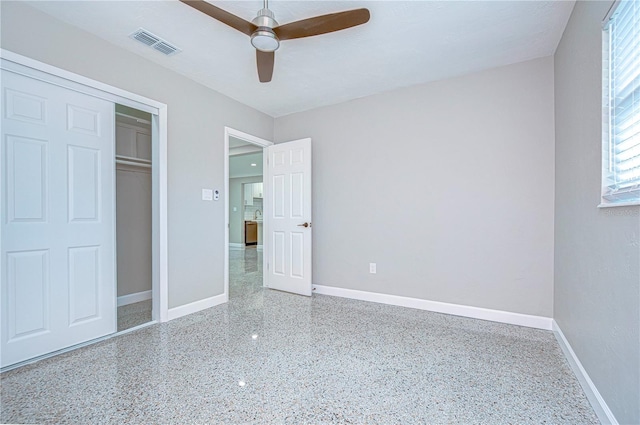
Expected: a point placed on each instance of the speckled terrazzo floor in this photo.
(320, 360)
(135, 314)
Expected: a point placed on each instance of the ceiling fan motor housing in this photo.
(264, 38)
(265, 18)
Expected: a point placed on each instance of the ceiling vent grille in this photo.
(149, 39)
(165, 48)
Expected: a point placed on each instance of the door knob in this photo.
(305, 225)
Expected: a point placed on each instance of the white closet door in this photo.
(58, 284)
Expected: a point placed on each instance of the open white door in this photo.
(288, 205)
(58, 283)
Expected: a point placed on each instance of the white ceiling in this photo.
(405, 43)
(236, 143)
(240, 165)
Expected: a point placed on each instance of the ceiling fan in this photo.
(266, 33)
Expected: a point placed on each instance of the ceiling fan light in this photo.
(265, 41)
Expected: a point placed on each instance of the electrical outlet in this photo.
(372, 268)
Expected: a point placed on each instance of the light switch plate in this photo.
(207, 195)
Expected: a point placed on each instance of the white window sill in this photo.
(620, 204)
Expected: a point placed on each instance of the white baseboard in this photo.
(134, 298)
(597, 402)
(196, 306)
(236, 245)
(519, 319)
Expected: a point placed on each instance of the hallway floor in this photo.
(245, 272)
(273, 357)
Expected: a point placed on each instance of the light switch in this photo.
(216, 195)
(207, 195)
(235, 209)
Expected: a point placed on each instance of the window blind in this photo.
(622, 176)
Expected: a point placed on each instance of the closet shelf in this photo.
(137, 162)
(131, 117)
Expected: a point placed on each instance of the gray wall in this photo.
(597, 254)
(447, 186)
(196, 120)
(236, 199)
(133, 210)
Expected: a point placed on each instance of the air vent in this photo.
(165, 48)
(145, 37)
(152, 40)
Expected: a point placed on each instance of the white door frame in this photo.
(228, 131)
(23, 65)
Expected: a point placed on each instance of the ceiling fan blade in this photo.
(222, 15)
(322, 24)
(265, 62)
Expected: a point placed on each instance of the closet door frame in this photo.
(23, 65)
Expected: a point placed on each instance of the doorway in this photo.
(133, 217)
(244, 209)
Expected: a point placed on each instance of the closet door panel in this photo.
(58, 284)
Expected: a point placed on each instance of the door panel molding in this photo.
(28, 277)
(26, 167)
(84, 284)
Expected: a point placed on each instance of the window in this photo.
(621, 93)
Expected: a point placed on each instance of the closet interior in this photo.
(133, 216)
